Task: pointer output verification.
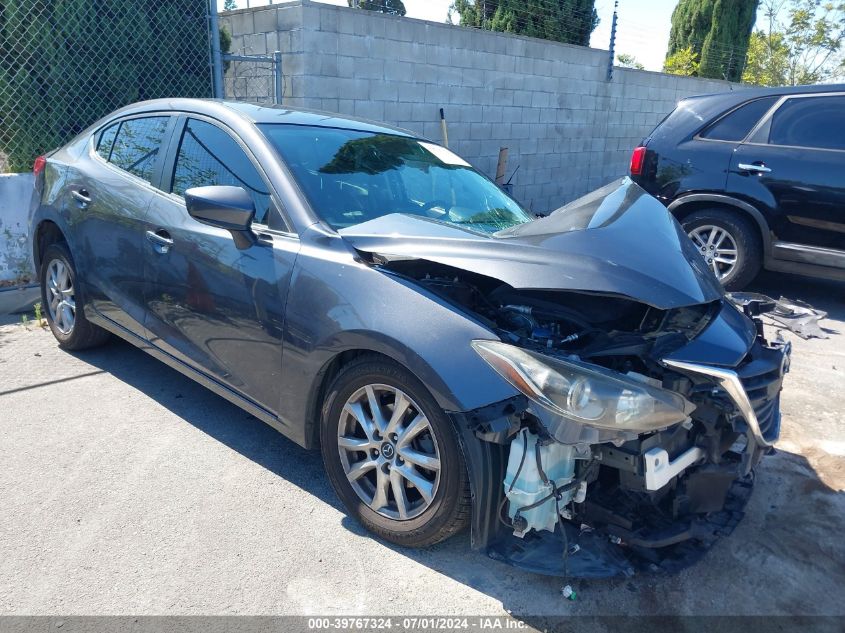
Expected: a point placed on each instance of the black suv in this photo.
(756, 177)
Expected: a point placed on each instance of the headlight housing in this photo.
(585, 393)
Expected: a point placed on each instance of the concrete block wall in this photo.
(566, 127)
(16, 198)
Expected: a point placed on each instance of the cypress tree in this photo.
(717, 31)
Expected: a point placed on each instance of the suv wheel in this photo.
(64, 308)
(728, 243)
(393, 456)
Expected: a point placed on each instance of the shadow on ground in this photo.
(792, 532)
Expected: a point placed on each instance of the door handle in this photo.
(755, 167)
(82, 196)
(161, 240)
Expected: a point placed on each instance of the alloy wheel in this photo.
(718, 248)
(389, 452)
(61, 298)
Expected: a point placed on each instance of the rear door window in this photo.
(736, 124)
(107, 140)
(817, 122)
(138, 144)
(209, 156)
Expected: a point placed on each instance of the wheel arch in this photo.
(320, 387)
(685, 205)
(46, 233)
(412, 363)
(450, 395)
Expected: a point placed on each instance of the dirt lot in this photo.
(126, 488)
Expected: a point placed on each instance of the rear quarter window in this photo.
(106, 140)
(736, 124)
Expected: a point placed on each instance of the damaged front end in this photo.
(633, 444)
(645, 396)
(627, 453)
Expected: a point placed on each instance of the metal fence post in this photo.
(277, 76)
(612, 52)
(216, 57)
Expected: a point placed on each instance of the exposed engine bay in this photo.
(627, 451)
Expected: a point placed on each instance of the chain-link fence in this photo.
(65, 64)
(254, 78)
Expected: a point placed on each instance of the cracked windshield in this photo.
(351, 177)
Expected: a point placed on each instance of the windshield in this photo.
(351, 177)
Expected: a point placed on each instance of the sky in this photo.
(642, 28)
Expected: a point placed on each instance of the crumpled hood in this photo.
(617, 240)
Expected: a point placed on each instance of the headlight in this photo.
(585, 393)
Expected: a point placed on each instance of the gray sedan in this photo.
(576, 387)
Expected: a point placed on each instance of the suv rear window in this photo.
(736, 124)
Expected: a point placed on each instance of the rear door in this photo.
(794, 163)
(109, 193)
(216, 307)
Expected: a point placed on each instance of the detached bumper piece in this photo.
(796, 316)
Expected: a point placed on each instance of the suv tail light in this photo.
(637, 160)
(39, 165)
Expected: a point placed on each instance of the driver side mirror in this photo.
(230, 208)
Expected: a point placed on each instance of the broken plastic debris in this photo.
(797, 316)
(615, 539)
(568, 592)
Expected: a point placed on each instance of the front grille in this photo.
(762, 378)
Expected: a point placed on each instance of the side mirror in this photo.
(230, 208)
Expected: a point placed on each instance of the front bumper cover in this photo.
(614, 550)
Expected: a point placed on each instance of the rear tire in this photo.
(735, 238)
(63, 304)
(388, 446)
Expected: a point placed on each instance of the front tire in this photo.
(62, 302)
(393, 456)
(729, 244)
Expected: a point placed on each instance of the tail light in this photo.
(637, 160)
(39, 165)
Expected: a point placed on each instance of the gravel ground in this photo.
(128, 489)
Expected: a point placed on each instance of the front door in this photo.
(796, 162)
(210, 304)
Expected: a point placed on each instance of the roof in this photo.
(743, 94)
(266, 114)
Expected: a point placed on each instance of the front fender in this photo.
(338, 305)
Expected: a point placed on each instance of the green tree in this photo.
(570, 21)
(393, 7)
(768, 60)
(230, 5)
(801, 43)
(64, 64)
(626, 60)
(718, 32)
(682, 62)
